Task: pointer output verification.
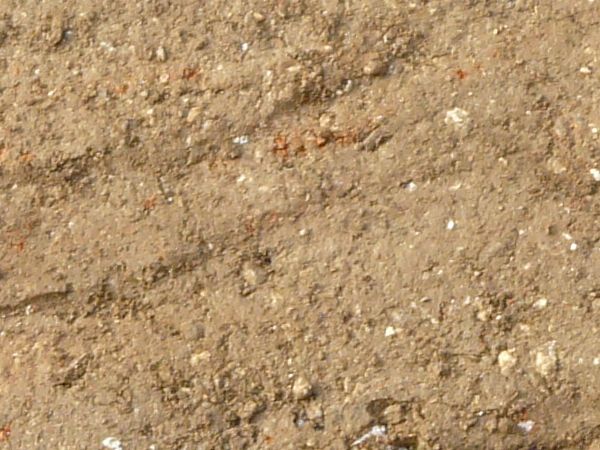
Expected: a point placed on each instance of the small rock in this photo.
(377, 431)
(526, 426)
(254, 275)
(161, 54)
(546, 362)
(506, 361)
(193, 114)
(410, 186)
(450, 225)
(375, 66)
(595, 174)
(390, 331)
(541, 303)
(258, 17)
(301, 389)
(457, 117)
(112, 443)
(241, 140)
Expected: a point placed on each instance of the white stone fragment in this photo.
(376, 431)
(526, 426)
(506, 361)
(390, 331)
(541, 303)
(241, 140)
(112, 443)
(457, 117)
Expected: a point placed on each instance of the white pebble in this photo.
(573, 246)
(161, 54)
(595, 174)
(245, 47)
(457, 117)
(450, 225)
(506, 361)
(546, 362)
(541, 303)
(390, 331)
(301, 389)
(410, 186)
(241, 140)
(526, 426)
(112, 443)
(585, 70)
(596, 361)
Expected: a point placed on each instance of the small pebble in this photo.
(193, 114)
(450, 225)
(378, 431)
(241, 140)
(161, 54)
(258, 17)
(573, 246)
(546, 362)
(541, 303)
(595, 174)
(457, 117)
(506, 361)
(112, 443)
(375, 66)
(301, 389)
(410, 186)
(526, 426)
(390, 331)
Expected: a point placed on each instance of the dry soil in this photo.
(299, 224)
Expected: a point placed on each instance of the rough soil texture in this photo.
(287, 224)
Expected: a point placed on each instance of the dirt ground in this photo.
(299, 224)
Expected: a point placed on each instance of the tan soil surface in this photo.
(289, 224)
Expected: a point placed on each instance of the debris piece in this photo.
(410, 186)
(541, 303)
(301, 389)
(241, 140)
(161, 54)
(457, 117)
(112, 443)
(526, 426)
(193, 114)
(506, 361)
(390, 331)
(378, 431)
(546, 362)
